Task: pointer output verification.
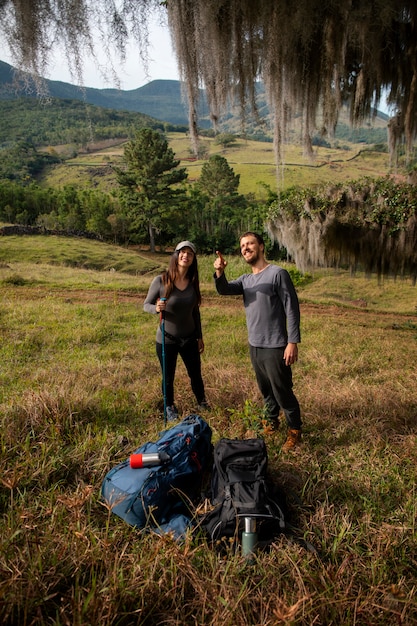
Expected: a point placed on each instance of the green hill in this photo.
(254, 161)
(160, 99)
(61, 121)
(163, 100)
(70, 252)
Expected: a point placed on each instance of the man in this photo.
(273, 322)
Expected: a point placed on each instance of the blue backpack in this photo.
(160, 497)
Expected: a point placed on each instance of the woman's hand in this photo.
(160, 305)
(200, 346)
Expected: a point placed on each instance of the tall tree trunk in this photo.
(152, 237)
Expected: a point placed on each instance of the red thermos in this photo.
(150, 459)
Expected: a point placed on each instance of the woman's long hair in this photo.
(171, 274)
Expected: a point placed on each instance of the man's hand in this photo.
(219, 264)
(291, 354)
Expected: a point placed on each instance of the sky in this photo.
(162, 64)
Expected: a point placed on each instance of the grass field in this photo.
(80, 390)
(253, 160)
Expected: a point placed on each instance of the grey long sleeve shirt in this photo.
(271, 305)
(182, 315)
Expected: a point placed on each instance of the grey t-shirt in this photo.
(182, 313)
(271, 305)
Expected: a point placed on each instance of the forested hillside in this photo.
(54, 122)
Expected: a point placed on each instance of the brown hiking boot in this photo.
(293, 439)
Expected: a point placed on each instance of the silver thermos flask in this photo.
(249, 538)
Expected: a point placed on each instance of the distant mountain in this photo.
(160, 99)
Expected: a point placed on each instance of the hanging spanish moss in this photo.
(309, 54)
(369, 225)
(34, 29)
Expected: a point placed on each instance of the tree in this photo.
(370, 224)
(218, 179)
(149, 182)
(225, 139)
(219, 206)
(22, 162)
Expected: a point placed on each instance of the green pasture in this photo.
(254, 161)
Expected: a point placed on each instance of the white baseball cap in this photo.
(186, 244)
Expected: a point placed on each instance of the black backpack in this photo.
(239, 489)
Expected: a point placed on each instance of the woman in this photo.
(183, 335)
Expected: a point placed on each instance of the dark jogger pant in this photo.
(275, 383)
(192, 361)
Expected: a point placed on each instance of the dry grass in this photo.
(80, 389)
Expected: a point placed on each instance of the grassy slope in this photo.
(80, 389)
(254, 161)
(73, 252)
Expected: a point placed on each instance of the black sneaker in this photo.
(172, 413)
(203, 406)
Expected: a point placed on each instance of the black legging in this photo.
(192, 361)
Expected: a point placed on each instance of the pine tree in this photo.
(150, 182)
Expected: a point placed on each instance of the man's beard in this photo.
(253, 259)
